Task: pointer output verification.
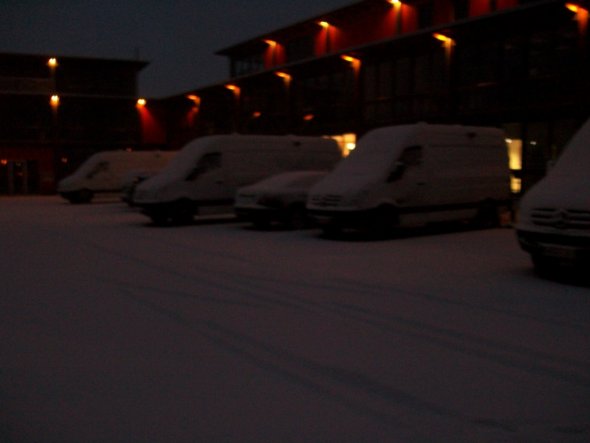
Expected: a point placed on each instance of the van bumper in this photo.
(343, 219)
(560, 247)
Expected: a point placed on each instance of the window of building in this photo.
(247, 65)
(299, 48)
(425, 14)
(460, 9)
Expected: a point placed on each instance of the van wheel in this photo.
(79, 197)
(182, 213)
(382, 222)
(296, 217)
(331, 231)
(544, 267)
(487, 216)
(159, 219)
(261, 223)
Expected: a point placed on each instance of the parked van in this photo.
(106, 172)
(280, 198)
(554, 216)
(412, 175)
(208, 171)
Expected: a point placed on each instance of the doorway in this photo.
(19, 177)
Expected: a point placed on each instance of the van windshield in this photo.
(366, 161)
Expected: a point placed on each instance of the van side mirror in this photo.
(398, 170)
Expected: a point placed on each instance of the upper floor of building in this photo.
(363, 23)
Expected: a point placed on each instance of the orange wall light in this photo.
(54, 101)
(443, 38)
(573, 7)
(141, 102)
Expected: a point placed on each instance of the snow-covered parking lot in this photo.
(112, 330)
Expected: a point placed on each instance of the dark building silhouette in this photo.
(56, 111)
(520, 65)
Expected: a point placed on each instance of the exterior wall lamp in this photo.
(286, 77)
(234, 89)
(447, 41)
(141, 102)
(581, 17)
(195, 99)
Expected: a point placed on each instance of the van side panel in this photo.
(462, 173)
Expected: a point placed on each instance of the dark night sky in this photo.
(178, 37)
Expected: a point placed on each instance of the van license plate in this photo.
(560, 252)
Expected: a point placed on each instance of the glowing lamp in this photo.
(52, 62)
(270, 43)
(283, 75)
(573, 7)
(349, 59)
(443, 38)
(54, 101)
(195, 99)
(324, 24)
(141, 102)
(308, 117)
(394, 2)
(256, 114)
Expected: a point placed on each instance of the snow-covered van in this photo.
(106, 172)
(554, 216)
(207, 172)
(280, 198)
(412, 175)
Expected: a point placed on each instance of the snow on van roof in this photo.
(378, 136)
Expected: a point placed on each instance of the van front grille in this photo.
(326, 200)
(561, 218)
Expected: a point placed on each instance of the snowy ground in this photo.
(115, 331)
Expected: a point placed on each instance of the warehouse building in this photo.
(56, 111)
(519, 65)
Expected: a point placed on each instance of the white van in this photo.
(106, 172)
(207, 172)
(412, 175)
(554, 216)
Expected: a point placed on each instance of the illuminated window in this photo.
(346, 142)
(515, 163)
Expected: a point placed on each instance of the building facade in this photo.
(56, 111)
(521, 65)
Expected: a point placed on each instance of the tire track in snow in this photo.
(339, 384)
(263, 291)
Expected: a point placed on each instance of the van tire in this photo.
(296, 217)
(487, 215)
(331, 230)
(80, 197)
(261, 223)
(182, 213)
(382, 222)
(544, 267)
(160, 219)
